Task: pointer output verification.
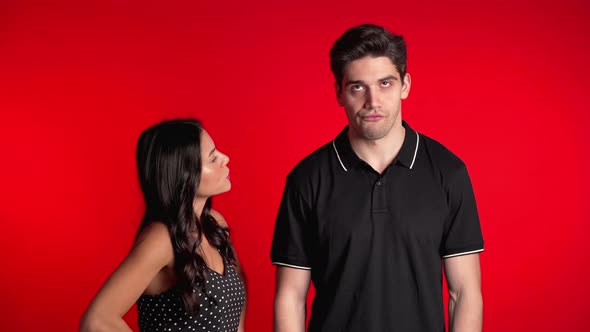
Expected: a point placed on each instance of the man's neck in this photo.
(378, 153)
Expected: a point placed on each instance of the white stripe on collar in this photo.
(416, 150)
(338, 155)
(413, 159)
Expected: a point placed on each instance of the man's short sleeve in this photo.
(290, 244)
(462, 231)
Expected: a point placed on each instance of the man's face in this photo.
(371, 93)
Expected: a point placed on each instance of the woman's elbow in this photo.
(91, 323)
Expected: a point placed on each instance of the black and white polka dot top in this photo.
(165, 311)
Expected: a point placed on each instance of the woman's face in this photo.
(214, 172)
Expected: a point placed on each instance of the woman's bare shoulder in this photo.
(218, 217)
(155, 239)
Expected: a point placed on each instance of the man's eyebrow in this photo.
(210, 153)
(386, 78)
(361, 82)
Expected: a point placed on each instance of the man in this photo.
(372, 216)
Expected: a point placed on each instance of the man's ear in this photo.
(406, 86)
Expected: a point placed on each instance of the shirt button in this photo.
(378, 183)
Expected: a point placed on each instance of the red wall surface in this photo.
(502, 84)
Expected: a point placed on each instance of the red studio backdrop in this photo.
(503, 84)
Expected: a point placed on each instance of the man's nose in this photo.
(372, 99)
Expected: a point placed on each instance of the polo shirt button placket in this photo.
(379, 199)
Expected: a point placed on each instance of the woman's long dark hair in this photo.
(169, 168)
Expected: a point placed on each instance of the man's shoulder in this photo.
(441, 156)
(311, 164)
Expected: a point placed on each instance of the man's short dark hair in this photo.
(367, 40)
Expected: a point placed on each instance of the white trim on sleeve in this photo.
(463, 253)
(293, 266)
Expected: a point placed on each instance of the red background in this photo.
(502, 84)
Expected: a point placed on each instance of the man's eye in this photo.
(386, 83)
(357, 87)
(214, 159)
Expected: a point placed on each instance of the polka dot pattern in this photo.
(219, 310)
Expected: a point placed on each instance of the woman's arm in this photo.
(152, 252)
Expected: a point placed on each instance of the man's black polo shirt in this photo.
(375, 242)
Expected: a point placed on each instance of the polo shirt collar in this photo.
(348, 159)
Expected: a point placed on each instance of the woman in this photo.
(182, 271)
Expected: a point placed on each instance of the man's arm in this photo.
(465, 300)
(290, 299)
